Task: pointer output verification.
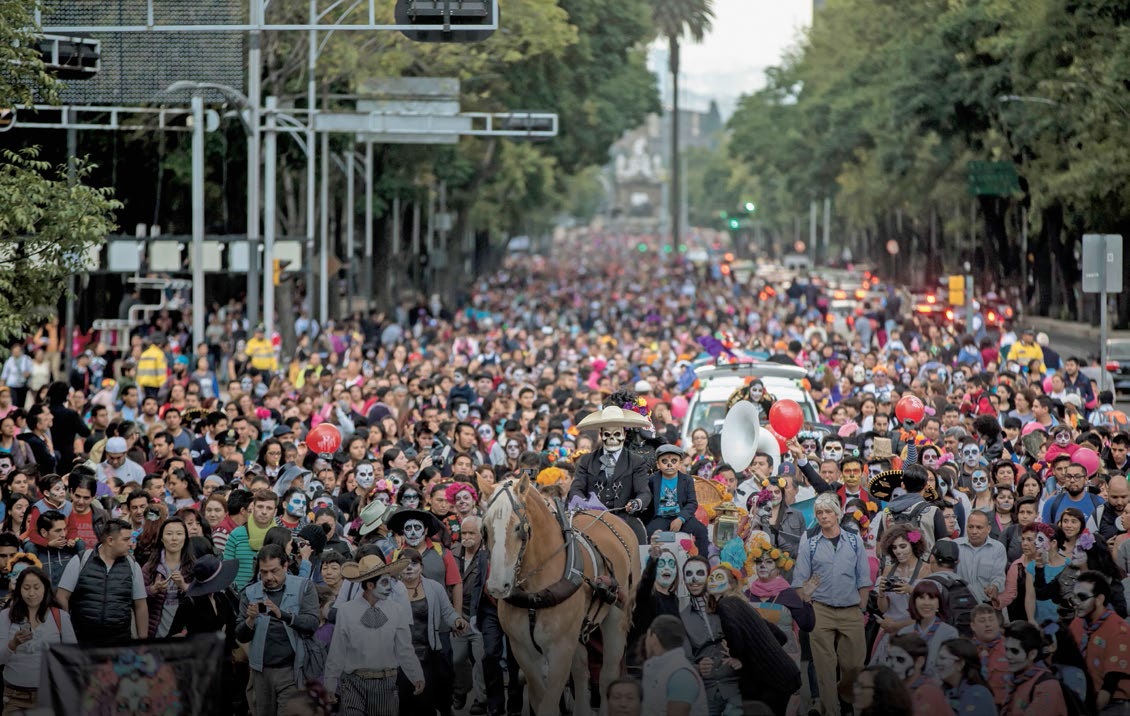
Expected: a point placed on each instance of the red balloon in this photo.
(782, 444)
(786, 418)
(910, 408)
(325, 439)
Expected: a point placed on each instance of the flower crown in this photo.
(760, 547)
(550, 476)
(863, 520)
(640, 406)
(456, 487)
(779, 482)
(1086, 541)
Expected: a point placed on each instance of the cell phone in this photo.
(664, 536)
(262, 608)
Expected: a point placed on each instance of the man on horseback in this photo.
(613, 475)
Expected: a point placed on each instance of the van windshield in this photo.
(710, 415)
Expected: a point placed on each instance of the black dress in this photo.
(210, 614)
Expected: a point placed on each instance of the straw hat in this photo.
(370, 567)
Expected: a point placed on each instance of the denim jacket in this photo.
(291, 604)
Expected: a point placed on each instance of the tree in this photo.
(673, 20)
(48, 220)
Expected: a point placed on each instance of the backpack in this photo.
(911, 519)
(1075, 705)
(958, 601)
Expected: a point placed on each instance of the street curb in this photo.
(1069, 328)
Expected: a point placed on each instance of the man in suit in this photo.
(674, 499)
(617, 477)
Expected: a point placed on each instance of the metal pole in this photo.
(350, 209)
(1103, 319)
(197, 219)
(271, 151)
(430, 240)
(417, 270)
(255, 91)
(812, 230)
(324, 235)
(69, 321)
(311, 173)
(369, 225)
(827, 228)
(393, 270)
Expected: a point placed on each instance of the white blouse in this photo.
(21, 667)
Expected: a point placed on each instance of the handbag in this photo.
(314, 665)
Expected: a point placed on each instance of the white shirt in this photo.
(356, 646)
(22, 667)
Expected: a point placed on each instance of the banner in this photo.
(167, 676)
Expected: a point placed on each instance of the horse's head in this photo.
(506, 532)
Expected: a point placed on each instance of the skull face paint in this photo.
(612, 439)
(364, 475)
(666, 569)
(1083, 598)
(809, 445)
(383, 589)
(756, 391)
(314, 488)
(513, 450)
(694, 576)
(833, 450)
(382, 497)
(296, 505)
(971, 455)
(980, 481)
(464, 502)
(410, 499)
(868, 448)
(412, 571)
(413, 532)
(900, 662)
(930, 459)
(396, 481)
(718, 582)
(6, 466)
(1063, 438)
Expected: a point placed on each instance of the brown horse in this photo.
(548, 590)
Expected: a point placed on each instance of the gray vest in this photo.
(657, 671)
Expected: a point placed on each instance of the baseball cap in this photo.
(642, 386)
(228, 437)
(116, 445)
(945, 550)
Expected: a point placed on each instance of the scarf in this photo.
(1013, 680)
(929, 633)
(1091, 628)
(255, 534)
(764, 591)
(986, 648)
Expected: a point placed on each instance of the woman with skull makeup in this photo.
(433, 618)
(656, 595)
(738, 654)
(422, 531)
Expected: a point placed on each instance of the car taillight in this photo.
(1113, 365)
(992, 317)
(949, 314)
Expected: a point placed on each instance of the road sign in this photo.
(992, 178)
(1102, 263)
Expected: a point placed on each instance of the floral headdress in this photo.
(640, 406)
(1085, 541)
(779, 482)
(385, 486)
(864, 520)
(456, 487)
(761, 546)
(550, 476)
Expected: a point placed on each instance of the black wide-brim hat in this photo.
(883, 485)
(431, 522)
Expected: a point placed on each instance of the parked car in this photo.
(1118, 363)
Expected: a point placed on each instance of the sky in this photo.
(747, 37)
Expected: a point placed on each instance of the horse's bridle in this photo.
(523, 522)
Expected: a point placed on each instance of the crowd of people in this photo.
(971, 562)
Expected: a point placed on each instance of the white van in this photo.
(707, 408)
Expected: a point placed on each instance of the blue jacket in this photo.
(684, 494)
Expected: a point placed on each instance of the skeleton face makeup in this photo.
(756, 391)
(900, 662)
(718, 582)
(364, 475)
(412, 571)
(462, 411)
(296, 505)
(1042, 542)
(694, 576)
(834, 450)
(314, 488)
(396, 481)
(767, 569)
(6, 466)
(513, 450)
(384, 587)
(1083, 598)
(612, 438)
(868, 448)
(666, 568)
(1015, 655)
(980, 481)
(413, 533)
(410, 499)
(1063, 438)
(58, 491)
(464, 502)
(971, 455)
(809, 445)
(383, 498)
(930, 459)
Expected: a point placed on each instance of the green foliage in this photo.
(23, 78)
(47, 225)
(884, 103)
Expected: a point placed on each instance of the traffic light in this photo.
(735, 224)
(957, 290)
(446, 13)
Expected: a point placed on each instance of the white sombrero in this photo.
(614, 417)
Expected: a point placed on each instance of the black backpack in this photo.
(958, 601)
(913, 518)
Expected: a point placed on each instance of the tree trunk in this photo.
(995, 244)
